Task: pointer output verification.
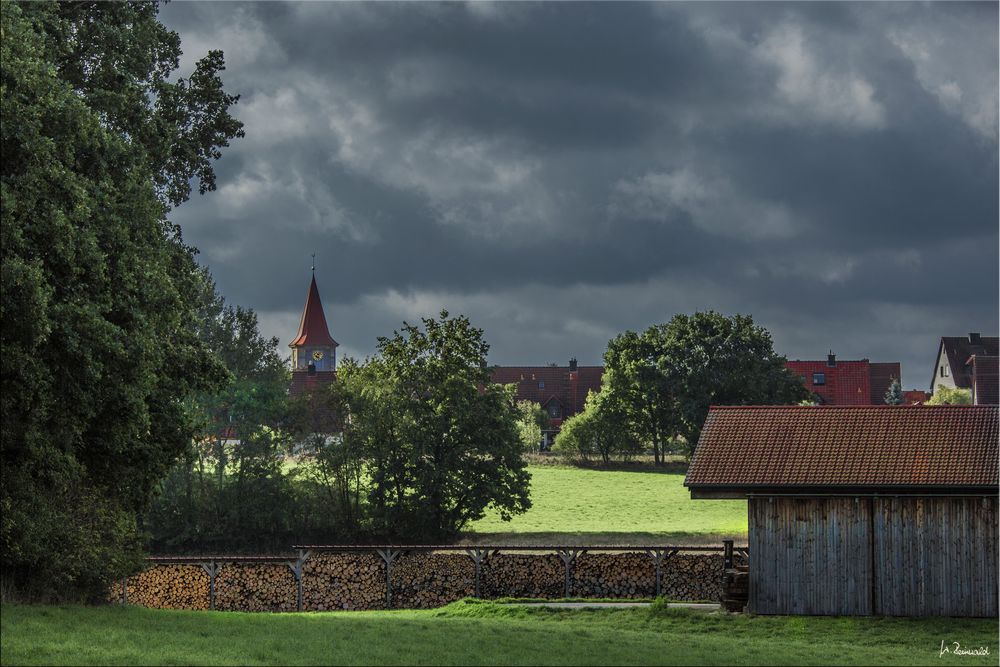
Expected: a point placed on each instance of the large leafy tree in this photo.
(100, 348)
(441, 441)
(666, 377)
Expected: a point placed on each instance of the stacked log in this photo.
(343, 581)
(690, 577)
(426, 580)
(166, 587)
(523, 576)
(613, 575)
(255, 587)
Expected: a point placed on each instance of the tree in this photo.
(441, 440)
(894, 394)
(97, 324)
(601, 428)
(531, 420)
(666, 378)
(950, 396)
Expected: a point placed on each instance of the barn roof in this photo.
(748, 448)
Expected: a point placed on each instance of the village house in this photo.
(837, 382)
(954, 366)
(560, 390)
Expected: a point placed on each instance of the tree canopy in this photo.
(98, 319)
(665, 378)
(950, 396)
(441, 442)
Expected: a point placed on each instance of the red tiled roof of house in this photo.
(844, 383)
(944, 446)
(312, 326)
(985, 379)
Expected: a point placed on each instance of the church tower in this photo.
(314, 350)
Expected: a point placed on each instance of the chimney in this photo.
(572, 365)
(831, 360)
(975, 339)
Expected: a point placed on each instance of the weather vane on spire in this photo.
(314, 263)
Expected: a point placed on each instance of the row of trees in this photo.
(659, 384)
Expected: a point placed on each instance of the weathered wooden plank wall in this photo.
(810, 556)
(894, 556)
(936, 556)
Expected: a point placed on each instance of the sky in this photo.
(562, 172)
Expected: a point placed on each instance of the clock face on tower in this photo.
(317, 355)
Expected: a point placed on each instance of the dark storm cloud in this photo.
(561, 172)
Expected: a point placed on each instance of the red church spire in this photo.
(312, 327)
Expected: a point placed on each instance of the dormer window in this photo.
(554, 410)
(819, 378)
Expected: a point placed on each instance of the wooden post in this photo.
(296, 567)
(478, 556)
(212, 569)
(727, 554)
(389, 556)
(569, 557)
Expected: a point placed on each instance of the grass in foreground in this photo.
(476, 633)
(644, 507)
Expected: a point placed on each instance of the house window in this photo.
(541, 384)
(554, 411)
(944, 371)
(819, 378)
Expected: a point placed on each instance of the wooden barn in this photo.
(859, 510)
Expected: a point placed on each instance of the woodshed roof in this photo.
(832, 448)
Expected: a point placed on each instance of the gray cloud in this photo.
(561, 172)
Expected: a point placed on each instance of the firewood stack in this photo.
(332, 582)
(426, 580)
(255, 587)
(613, 575)
(523, 575)
(693, 577)
(356, 580)
(166, 587)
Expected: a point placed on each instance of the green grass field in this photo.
(579, 505)
(475, 633)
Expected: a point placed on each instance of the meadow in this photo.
(573, 505)
(477, 633)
